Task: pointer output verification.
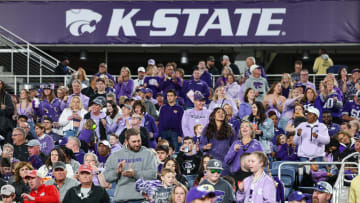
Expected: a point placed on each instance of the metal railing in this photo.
(23, 54)
(16, 81)
(339, 190)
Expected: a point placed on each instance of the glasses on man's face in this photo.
(29, 178)
(215, 171)
(5, 196)
(16, 134)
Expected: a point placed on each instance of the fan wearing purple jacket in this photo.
(125, 84)
(246, 144)
(217, 136)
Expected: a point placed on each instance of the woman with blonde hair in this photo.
(220, 99)
(125, 84)
(24, 107)
(221, 81)
(258, 187)
(178, 194)
(245, 144)
(286, 84)
(80, 74)
(71, 117)
(21, 184)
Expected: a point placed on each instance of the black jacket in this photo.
(97, 195)
(20, 187)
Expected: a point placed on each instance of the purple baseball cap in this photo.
(200, 192)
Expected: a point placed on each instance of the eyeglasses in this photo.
(6, 196)
(215, 171)
(16, 134)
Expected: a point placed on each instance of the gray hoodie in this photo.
(259, 85)
(144, 164)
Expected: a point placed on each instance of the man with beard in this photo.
(128, 165)
(103, 152)
(322, 192)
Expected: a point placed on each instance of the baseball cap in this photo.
(214, 164)
(99, 100)
(33, 173)
(151, 62)
(63, 141)
(202, 191)
(225, 57)
(313, 110)
(253, 67)
(86, 168)
(7, 190)
(59, 164)
(198, 96)
(148, 90)
(143, 90)
(105, 142)
(33, 142)
(297, 196)
(323, 186)
(141, 69)
(211, 58)
(355, 70)
(126, 106)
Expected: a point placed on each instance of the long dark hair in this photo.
(246, 99)
(2, 92)
(177, 167)
(115, 109)
(260, 113)
(338, 77)
(61, 157)
(211, 129)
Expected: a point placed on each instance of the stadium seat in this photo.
(287, 178)
(335, 68)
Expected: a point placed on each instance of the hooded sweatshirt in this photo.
(144, 165)
(259, 85)
(322, 63)
(309, 146)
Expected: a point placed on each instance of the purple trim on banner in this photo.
(197, 22)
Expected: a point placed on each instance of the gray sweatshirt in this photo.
(259, 85)
(144, 165)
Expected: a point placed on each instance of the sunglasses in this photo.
(215, 170)
(6, 196)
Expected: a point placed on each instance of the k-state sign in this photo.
(167, 20)
(183, 22)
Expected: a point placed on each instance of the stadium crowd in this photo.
(160, 138)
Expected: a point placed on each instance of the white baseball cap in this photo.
(253, 67)
(313, 110)
(141, 69)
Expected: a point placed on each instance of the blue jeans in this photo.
(73, 132)
(190, 179)
(131, 201)
(172, 137)
(302, 159)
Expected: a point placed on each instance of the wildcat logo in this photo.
(80, 21)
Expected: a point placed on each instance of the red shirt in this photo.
(45, 193)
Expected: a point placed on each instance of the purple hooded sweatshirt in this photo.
(264, 190)
(232, 158)
(124, 89)
(219, 147)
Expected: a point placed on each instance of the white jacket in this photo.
(68, 124)
(44, 171)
